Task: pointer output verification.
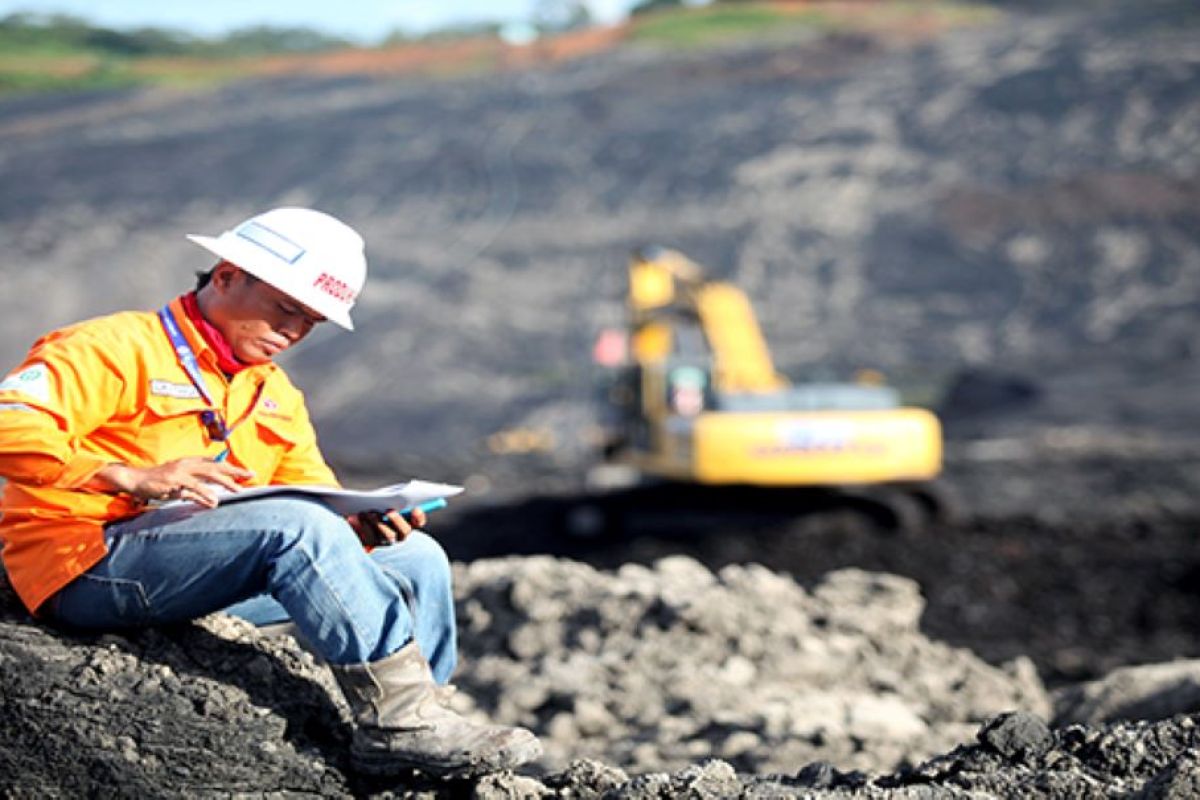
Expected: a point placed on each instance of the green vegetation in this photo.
(40, 53)
(56, 52)
(665, 22)
(700, 26)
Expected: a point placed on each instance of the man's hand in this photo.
(376, 528)
(193, 478)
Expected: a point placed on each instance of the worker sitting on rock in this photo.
(107, 418)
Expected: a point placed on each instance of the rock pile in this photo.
(659, 667)
(645, 669)
(646, 682)
(210, 707)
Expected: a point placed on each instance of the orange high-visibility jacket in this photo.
(113, 390)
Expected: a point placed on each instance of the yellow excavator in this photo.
(699, 401)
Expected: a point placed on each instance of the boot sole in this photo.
(384, 764)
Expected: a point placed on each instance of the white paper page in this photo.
(400, 496)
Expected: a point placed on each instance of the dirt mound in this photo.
(646, 682)
(207, 707)
(1151, 691)
(645, 669)
(660, 667)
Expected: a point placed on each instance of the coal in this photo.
(659, 682)
(1019, 737)
(1006, 212)
(659, 667)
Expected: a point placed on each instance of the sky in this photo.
(363, 20)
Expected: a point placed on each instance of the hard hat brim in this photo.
(248, 258)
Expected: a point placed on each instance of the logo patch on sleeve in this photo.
(184, 391)
(33, 381)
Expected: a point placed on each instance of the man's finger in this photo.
(237, 473)
(395, 520)
(417, 515)
(373, 530)
(199, 494)
(385, 532)
(223, 474)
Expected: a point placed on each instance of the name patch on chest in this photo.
(185, 391)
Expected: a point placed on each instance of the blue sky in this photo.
(365, 20)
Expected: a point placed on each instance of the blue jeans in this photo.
(271, 560)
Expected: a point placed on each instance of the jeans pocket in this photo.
(92, 601)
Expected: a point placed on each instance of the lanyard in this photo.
(210, 418)
(184, 351)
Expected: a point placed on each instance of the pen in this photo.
(224, 454)
(428, 505)
(402, 530)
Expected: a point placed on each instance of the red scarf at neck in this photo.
(226, 360)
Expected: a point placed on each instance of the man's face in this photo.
(257, 320)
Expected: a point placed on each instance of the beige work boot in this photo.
(401, 723)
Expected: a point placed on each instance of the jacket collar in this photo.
(205, 353)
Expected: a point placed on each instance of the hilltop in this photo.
(55, 53)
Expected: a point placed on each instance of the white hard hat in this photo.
(312, 257)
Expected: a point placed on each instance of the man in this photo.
(108, 417)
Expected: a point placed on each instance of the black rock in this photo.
(1018, 736)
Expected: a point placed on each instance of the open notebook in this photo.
(400, 496)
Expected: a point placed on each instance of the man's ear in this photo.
(224, 276)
